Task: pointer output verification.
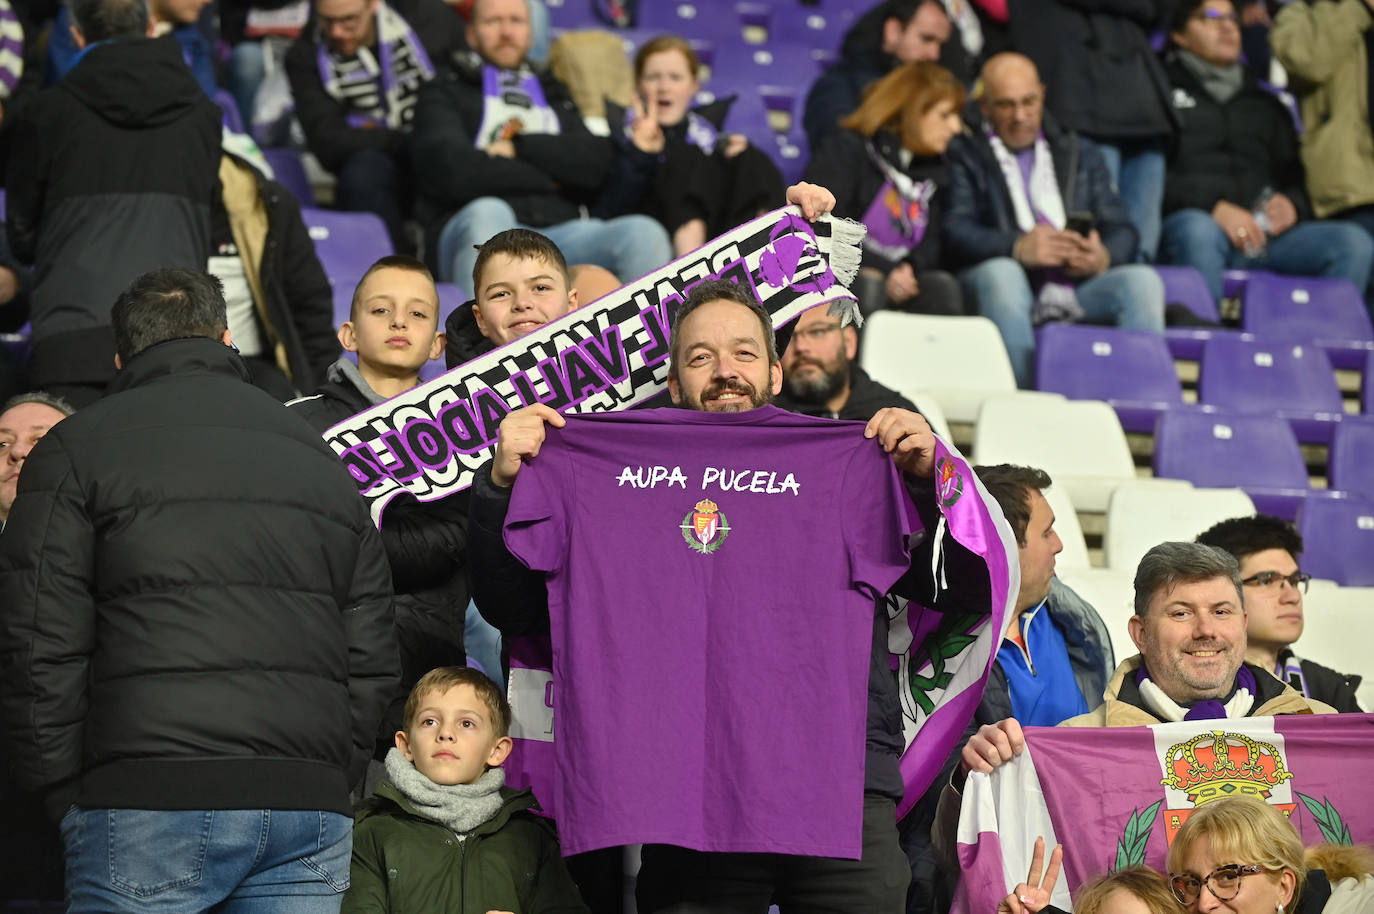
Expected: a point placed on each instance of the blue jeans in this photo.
(1318, 248)
(1137, 170)
(1130, 296)
(236, 861)
(246, 69)
(482, 643)
(628, 246)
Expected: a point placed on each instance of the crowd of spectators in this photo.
(1029, 161)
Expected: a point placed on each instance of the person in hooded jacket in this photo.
(111, 174)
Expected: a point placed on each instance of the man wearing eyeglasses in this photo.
(1267, 549)
(354, 77)
(1234, 190)
(820, 377)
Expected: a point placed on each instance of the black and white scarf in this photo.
(380, 89)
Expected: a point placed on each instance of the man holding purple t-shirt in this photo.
(726, 845)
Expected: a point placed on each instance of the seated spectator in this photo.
(1103, 80)
(887, 170)
(393, 329)
(1034, 220)
(675, 162)
(894, 32)
(1268, 549)
(256, 31)
(281, 307)
(499, 146)
(820, 376)
(1189, 625)
(355, 74)
(1241, 854)
(111, 174)
(1325, 47)
(1234, 194)
(444, 779)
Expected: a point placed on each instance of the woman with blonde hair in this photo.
(1242, 856)
(887, 170)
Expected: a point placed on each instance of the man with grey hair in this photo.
(1189, 626)
(26, 419)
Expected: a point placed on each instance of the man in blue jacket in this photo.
(1036, 225)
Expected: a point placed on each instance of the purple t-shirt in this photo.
(711, 581)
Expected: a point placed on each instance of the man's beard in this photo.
(816, 388)
(751, 398)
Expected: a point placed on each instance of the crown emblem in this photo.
(706, 506)
(1215, 765)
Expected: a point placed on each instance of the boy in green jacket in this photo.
(443, 833)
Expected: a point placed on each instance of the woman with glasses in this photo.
(1243, 856)
(887, 170)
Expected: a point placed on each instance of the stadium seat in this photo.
(1338, 540)
(1330, 614)
(780, 74)
(1131, 369)
(572, 14)
(289, 172)
(817, 28)
(1233, 282)
(1291, 380)
(1075, 554)
(929, 407)
(1147, 512)
(1186, 286)
(1350, 464)
(1214, 449)
(960, 360)
(1112, 593)
(230, 110)
(1078, 442)
(694, 19)
(1329, 312)
(1367, 386)
(347, 243)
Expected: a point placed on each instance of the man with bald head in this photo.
(1035, 223)
(25, 420)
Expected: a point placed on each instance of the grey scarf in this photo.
(460, 807)
(1222, 83)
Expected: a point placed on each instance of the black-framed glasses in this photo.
(1223, 882)
(1297, 580)
(816, 334)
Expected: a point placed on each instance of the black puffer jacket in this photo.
(426, 545)
(195, 608)
(111, 174)
(1233, 151)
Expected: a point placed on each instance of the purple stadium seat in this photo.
(817, 28)
(572, 14)
(343, 301)
(1329, 312)
(780, 73)
(290, 173)
(230, 108)
(1233, 282)
(1186, 286)
(1338, 539)
(1291, 380)
(347, 243)
(1130, 369)
(690, 19)
(1219, 450)
(1350, 466)
(1367, 387)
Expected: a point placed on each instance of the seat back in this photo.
(1350, 465)
(1338, 539)
(961, 361)
(1128, 368)
(1305, 308)
(1147, 512)
(289, 171)
(1267, 376)
(347, 243)
(1223, 449)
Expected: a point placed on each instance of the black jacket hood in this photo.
(135, 82)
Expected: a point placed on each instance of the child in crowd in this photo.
(443, 833)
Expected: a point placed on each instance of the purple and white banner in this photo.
(607, 355)
(1116, 796)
